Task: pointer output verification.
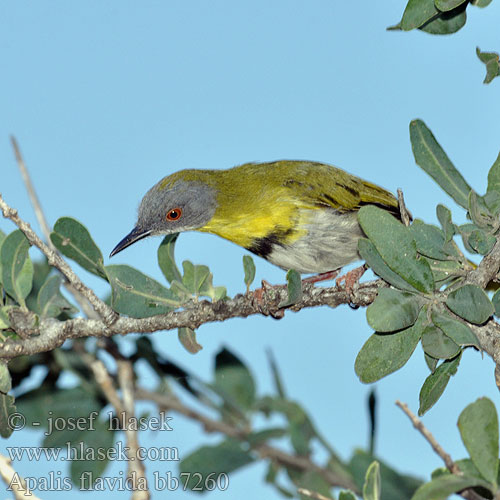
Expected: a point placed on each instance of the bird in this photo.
(299, 215)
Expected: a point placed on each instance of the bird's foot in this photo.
(329, 275)
(265, 301)
(351, 279)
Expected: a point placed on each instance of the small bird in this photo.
(298, 215)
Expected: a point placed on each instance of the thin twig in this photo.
(105, 381)
(136, 469)
(417, 423)
(124, 408)
(55, 260)
(312, 494)
(405, 214)
(14, 481)
(45, 227)
(35, 202)
(469, 494)
(172, 403)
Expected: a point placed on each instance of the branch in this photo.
(124, 408)
(136, 467)
(51, 333)
(55, 260)
(15, 482)
(448, 461)
(44, 225)
(265, 451)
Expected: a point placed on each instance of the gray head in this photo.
(171, 207)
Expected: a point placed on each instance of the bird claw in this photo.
(351, 280)
(263, 301)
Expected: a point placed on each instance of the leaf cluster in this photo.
(429, 300)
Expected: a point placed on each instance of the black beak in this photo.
(135, 235)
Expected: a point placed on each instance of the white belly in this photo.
(331, 242)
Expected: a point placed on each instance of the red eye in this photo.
(174, 214)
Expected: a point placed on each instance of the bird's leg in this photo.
(351, 278)
(329, 275)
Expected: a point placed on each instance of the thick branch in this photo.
(51, 333)
(55, 260)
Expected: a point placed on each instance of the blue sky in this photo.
(107, 98)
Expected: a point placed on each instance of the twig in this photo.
(103, 378)
(124, 408)
(14, 481)
(35, 202)
(136, 467)
(54, 259)
(417, 423)
(448, 461)
(44, 225)
(168, 402)
(312, 494)
(405, 215)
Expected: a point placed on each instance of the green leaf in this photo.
(347, 495)
(442, 487)
(5, 379)
(445, 270)
(436, 344)
(429, 239)
(166, 258)
(51, 302)
(459, 332)
(445, 5)
(444, 217)
(40, 404)
(4, 317)
(396, 486)
(17, 268)
(430, 156)
(491, 60)
(478, 425)
(481, 3)
(393, 310)
(249, 268)
(447, 23)
(494, 176)
(278, 383)
(470, 303)
(234, 379)
(2, 238)
(194, 276)
(369, 253)
(371, 488)
(138, 295)
(417, 13)
(430, 362)
(187, 338)
(294, 288)
(396, 245)
(478, 211)
(73, 240)
(7, 408)
(261, 437)
(383, 354)
(481, 242)
(97, 442)
(436, 383)
(208, 462)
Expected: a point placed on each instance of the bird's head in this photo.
(180, 202)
